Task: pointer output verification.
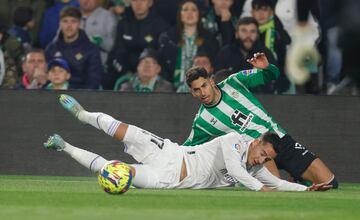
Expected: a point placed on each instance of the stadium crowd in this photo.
(148, 45)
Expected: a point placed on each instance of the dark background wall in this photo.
(328, 125)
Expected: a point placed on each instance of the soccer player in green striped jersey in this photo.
(230, 107)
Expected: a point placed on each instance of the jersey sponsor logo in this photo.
(240, 119)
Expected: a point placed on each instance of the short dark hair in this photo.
(256, 4)
(33, 50)
(273, 139)
(22, 15)
(195, 73)
(70, 11)
(247, 21)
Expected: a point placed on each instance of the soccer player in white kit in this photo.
(221, 162)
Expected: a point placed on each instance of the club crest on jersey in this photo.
(240, 119)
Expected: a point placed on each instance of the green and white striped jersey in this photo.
(238, 109)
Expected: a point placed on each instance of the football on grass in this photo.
(115, 177)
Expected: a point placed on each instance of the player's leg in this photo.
(88, 159)
(98, 120)
(318, 172)
(143, 176)
(302, 164)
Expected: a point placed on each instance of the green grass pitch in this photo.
(52, 198)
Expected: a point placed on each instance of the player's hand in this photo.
(319, 187)
(259, 60)
(302, 56)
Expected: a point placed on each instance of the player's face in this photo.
(247, 34)
(260, 153)
(33, 62)
(189, 14)
(70, 27)
(204, 62)
(262, 14)
(205, 90)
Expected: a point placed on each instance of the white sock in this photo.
(100, 121)
(88, 159)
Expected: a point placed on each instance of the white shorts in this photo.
(161, 159)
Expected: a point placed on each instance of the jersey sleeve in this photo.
(273, 182)
(233, 163)
(255, 77)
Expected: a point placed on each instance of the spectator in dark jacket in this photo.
(179, 45)
(50, 21)
(273, 35)
(233, 57)
(139, 29)
(73, 45)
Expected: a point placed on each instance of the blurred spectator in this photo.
(139, 29)
(34, 70)
(118, 7)
(99, 24)
(147, 78)
(273, 35)
(58, 74)
(221, 20)
(8, 68)
(8, 7)
(179, 45)
(23, 23)
(73, 45)
(51, 19)
(233, 57)
(203, 60)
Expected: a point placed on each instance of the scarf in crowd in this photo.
(269, 29)
(140, 87)
(184, 59)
